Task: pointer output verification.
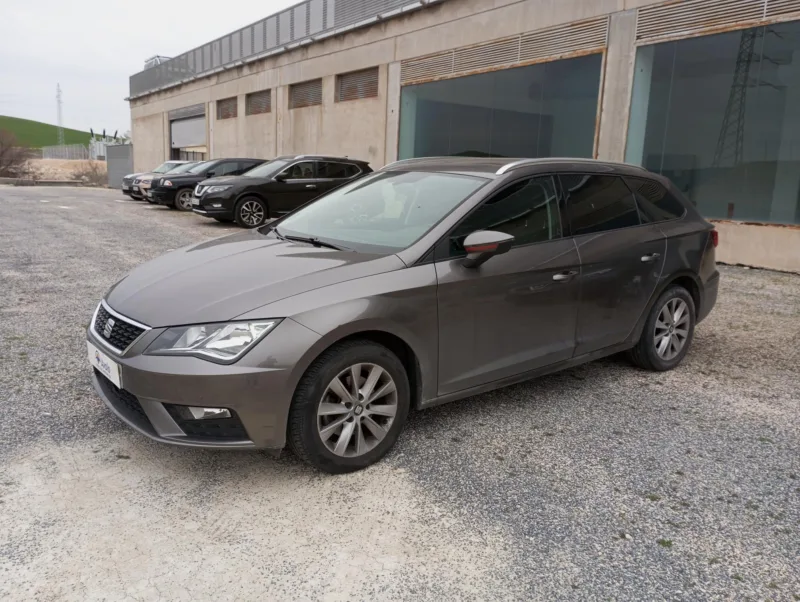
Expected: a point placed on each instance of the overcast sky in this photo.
(91, 47)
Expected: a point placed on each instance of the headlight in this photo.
(217, 189)
(224, 343)
(166, 183)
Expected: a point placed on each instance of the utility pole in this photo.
(60, 117)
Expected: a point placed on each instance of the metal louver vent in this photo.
(777, 8)
(226, 108)
(584, 37)
(306, 94)
(694, 15)
(258, 102)
(356, 85)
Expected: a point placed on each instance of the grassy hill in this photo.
(37, 134)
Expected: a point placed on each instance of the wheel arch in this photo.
(685, 278)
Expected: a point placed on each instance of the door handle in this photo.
(563, 276)
(311, 186)
(651, 257)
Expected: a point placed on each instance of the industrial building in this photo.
(706, 92)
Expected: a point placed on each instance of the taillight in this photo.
(714, 238)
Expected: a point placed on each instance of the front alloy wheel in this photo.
(183, 200)
(251, 212)
(357, 410)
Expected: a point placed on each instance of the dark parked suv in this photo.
(177, 191)
(425, 282)
(274, 188)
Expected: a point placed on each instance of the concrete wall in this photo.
(757, 245)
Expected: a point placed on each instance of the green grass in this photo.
(36, 134)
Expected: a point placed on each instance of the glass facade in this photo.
(720, 116)
(542, 110)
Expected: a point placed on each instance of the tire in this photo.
(183, 199)
(652, 352)
(306, 427)
(251, 212)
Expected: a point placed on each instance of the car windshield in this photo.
(266, 170)
(200, 167)
(165, 167)
(384, 212)
(182, 168)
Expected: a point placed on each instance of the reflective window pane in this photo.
(720, 116)
(598, 203)
(655, 202)
(542, 110)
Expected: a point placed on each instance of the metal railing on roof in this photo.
(298, 25)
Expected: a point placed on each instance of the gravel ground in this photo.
(599, 483)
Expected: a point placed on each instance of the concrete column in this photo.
(617, 85)
(392, 111)
(280, 107)
(639, 105)
(785, 192)
(166, 132)
(210, 118)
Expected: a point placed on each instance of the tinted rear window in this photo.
(656, 204)
(599, 203)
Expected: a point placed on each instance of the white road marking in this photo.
(119, 201)
(44, 201)
(64, 207)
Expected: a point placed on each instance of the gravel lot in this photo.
(599, 483)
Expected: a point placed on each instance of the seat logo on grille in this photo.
(108, 327)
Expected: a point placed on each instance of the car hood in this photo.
(218, 280)
(133, 175)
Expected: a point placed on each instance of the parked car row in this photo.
(245, 190)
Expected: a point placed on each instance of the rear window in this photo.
(656, 204)
(598, 203)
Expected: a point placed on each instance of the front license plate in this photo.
(125, 187)
(136, 189)
(195, 200)
(107, 367)
(149, 194)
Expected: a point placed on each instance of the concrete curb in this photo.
(29, 182)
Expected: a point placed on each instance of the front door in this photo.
(517, 311)
(299, 185)
(621, 259)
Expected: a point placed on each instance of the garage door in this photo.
(188, 132)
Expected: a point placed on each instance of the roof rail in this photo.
(522, 162)
(415, 160)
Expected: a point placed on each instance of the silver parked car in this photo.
(425, 282)
(135, 185)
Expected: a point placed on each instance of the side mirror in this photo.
(211, 174)
(281, 177)
(484, 244)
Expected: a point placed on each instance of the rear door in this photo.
(621, 258)
(517, 311)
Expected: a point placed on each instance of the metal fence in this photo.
(301, 24)
(74, 152)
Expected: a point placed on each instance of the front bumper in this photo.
(258, 389)
(163, 196)
(206, 206)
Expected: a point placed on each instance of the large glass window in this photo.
(720, 116)
(542, 110)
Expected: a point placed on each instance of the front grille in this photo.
(220, 429)
(199, 190)
(127, 181)
(122, 333)
(126, 403)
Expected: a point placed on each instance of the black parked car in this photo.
(177, 191)
(274, 188)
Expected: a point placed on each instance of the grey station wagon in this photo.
(425, 282)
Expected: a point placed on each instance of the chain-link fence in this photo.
(72, 152)
(306, 22)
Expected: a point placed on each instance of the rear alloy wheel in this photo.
(251, 212)
(183, 200)
(349, 408)
(668, 331)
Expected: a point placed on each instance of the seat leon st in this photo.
(422, 283)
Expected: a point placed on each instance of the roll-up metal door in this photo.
(188, 132)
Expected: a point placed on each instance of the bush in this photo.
(92, 173)
(13, 158)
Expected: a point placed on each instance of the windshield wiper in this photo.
(310, 240)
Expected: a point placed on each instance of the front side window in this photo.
(528, 210)
(384, 212)
(229, 168)
(201, 167)
(299, 171)
(598, 203)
